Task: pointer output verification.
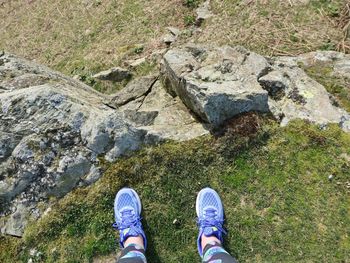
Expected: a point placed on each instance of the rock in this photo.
(93, 175)
(342, 67)
(50, 136)
(169, 39)
(157, 55)
(337, 61)
(116, 74)
(16, 221)
(203, 12)
(111, 135)
(345, 121)
(54, 128)
(302, 97)
(142, 118)
(134, 90)
(275, 83)
(316, 57)
(164, 117)
(136, 63)
(216, 83)
(174, 31)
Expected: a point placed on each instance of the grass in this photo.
(276, 27)
(85, 37)
(280, 204)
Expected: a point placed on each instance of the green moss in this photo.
(9, 247)
(147, 68)
(191, 3)
(189, 20)
(331, 7)
(280, 205)
(337, 86)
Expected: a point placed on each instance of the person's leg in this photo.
(127, 211)
(210, 214)
(215, 253)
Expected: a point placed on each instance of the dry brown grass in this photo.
(344, 24)
(93, 34)
(82, 37)
(276, 27)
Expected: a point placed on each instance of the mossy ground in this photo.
(280, 204)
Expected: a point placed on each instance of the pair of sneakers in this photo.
(209, 208)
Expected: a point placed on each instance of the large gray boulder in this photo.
(297, 96)
(216, 83)
(57, 128)
(53, 129)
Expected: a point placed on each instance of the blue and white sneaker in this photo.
(210, 213)
(127, 211)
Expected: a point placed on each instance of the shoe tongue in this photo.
(128, 215)
(211, 231)
(210, 213)
(127, 212)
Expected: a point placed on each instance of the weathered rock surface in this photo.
(169, 39)
(339, 62)
(136, 63)
(174, 31)
(296, 95)
(163, 116)
(53, 129)
(134, 90)
(217, 83)
(203, 12)
(116, 74)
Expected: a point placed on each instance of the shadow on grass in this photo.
(151, 252)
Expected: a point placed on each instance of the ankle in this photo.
(206, 240)
(138, 240)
